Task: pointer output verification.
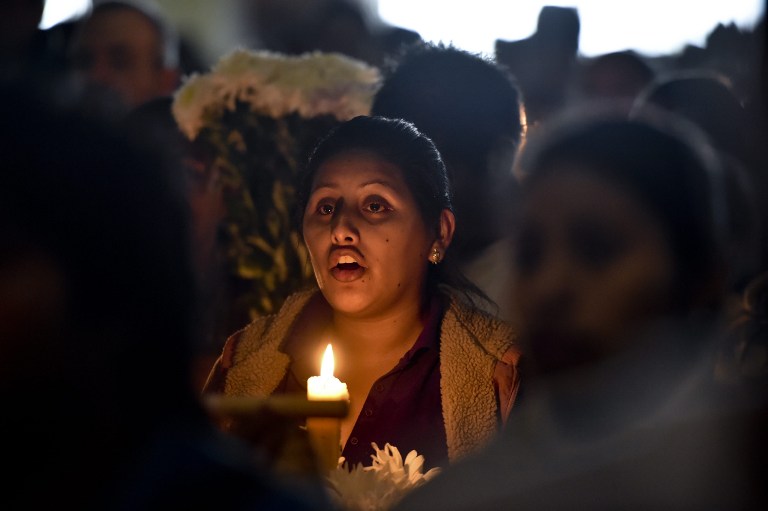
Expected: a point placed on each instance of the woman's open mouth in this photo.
(347, 269)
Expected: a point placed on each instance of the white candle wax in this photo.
(326, 387)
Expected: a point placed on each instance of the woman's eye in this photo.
(325, 209)
(376, 206)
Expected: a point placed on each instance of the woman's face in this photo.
(366, 238)
(591, 267)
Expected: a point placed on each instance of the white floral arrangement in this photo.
(275, 84)
(256, 116)
(383, 484)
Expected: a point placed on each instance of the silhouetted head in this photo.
(706, 99)
(559, 26)
(126, 47)
(617, 75)
(471, 109)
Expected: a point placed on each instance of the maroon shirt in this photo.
(403, 407)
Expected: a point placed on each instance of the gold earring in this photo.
(434, 257)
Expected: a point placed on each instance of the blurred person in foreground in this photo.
(97, 327)
(127, 51)
(155, 121)
(618, 271)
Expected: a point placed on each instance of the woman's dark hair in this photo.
(400, 143)
(667, 165)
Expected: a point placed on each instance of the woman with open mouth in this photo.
(426, 369)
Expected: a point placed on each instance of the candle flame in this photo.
(326, 367)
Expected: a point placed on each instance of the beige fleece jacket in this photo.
(478, 368)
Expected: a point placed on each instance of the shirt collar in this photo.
(430, 334)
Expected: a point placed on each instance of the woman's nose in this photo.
(343, 227)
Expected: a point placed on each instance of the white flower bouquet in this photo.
(380, 486)
(258, 115)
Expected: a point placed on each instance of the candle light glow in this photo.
(326, 387)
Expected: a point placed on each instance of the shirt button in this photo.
(368, 412)
(353, 440)
(379, 387)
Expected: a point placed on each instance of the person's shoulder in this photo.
(254, 361)
(471, 311)
(495, 334)
(248, 338)
(265, 329)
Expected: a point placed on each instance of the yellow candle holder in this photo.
(325, 438)
(323, 420)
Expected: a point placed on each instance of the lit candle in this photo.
(326, 387)
(325, 432)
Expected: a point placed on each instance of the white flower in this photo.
(191, 102)
(380, 486)
(274, 84)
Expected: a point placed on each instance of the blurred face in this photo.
(591, 267)
(121, 50)
(365, 235)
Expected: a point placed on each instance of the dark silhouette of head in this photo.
(471, 109)
(615, 76)
(559, 26)
(95, 228)
(544, 62)
(706, 98)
